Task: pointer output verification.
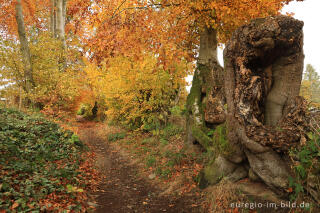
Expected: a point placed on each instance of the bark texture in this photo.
(25, 51)
(206, 105)
(263, 73)
(53, 18)
(58, 19)
(206, 99)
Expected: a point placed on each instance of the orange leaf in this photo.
(15, 205)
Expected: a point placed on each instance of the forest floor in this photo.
(125, 186)
(143, 173)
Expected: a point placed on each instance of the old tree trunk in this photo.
(264, 116)
(206, 99)
(264, 65)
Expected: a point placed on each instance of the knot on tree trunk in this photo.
(264, 65)
(263, 73)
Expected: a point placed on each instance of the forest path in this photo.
(122, 190)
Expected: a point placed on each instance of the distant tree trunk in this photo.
(20, 98)
(53, 18)
(206, 99)
(264, 65)
(64, 10)
(60, 20)
(25, 51)
(57, 26)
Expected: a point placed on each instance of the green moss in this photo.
(201, 137)
(195, 91)
(204, 70)
(194, 104)
(211, 174)
(221, 144)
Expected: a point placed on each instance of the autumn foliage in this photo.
(138, 94)
(114, 32)
(131, 58)
(42, 166)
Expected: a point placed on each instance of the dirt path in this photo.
(122, 190)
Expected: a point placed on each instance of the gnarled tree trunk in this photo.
(263, 72)
(206, 99)
(206, 105)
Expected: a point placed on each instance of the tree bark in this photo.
(57, 26)
(25, 51)
(206, 99)
(263, 73)
(60, 20)
(53, 18)
(206, 112)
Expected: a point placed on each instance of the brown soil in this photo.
(123, 189)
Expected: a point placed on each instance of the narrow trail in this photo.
(122, 190)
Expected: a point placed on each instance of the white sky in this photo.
(308, 11)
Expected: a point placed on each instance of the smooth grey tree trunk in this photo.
(60, 20)
(25, 51)
(53, 18)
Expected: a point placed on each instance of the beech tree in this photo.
(200, 26)
(25, 51)
(266, 116)
(42, 57)
(58, 19)
(175, 30)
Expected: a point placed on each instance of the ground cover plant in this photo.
(161, 155)
(41, 165)
(86, 63)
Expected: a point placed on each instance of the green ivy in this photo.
(35, 156)
(307, 163)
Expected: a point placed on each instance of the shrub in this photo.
(171, 130)
(38, 161)
(176, 110)
(306, 161)
(138, 92)
(54, 90)
(85, 110)
(116, 136)
(150, 161)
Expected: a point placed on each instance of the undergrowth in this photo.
(159, 149)
(41, 165)
(306, 165)
(116, 136)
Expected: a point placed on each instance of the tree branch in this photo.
(141, 7)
